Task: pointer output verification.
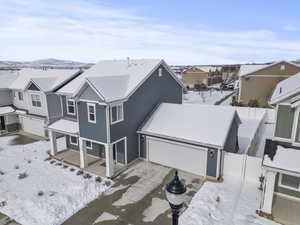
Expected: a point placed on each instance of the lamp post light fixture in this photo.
(175, 193)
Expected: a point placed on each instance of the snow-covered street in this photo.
(229, 203)
(205, 97)
(36, 192)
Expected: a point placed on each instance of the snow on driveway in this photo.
(62, 192)
(227, 203)
(205, 97)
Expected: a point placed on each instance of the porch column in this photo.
(109, 160)
(82, 151)
(53, 143)
(268, 192)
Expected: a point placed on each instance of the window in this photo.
(91, 109)
(282, 67)
(116, 113)
(20, 96)
(160, 72)
(73, 140)
(36, 100)
(71, 106)
(284, 122)
(88, 144)
(290, 182)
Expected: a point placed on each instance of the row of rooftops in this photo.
(113, 79)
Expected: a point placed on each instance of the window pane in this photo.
(120, 112)
(88, 144)
(284, 123)
(92, 117)
(71, 109)
(39, 104)
(114, 113)
(91, 109)
(290, 181)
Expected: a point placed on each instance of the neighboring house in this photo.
(282, 153)
(8, 119)
(258, 81)
(201, 75)
(33, 99)
(190, 137)
(229, 73)
(104, 107)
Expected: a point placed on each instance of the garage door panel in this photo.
(184, 157)
(33, 126)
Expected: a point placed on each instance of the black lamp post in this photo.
(175, 192)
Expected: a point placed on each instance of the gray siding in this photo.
(5, 97)
(284, 123)
(89, 94)
(285, 191)
(152, 92)
(64, 106)
(298, 130)
(54, 107)
(232, 139)
(33, 87)
(212, 160)
(94, 131)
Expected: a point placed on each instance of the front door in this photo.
(2, 123)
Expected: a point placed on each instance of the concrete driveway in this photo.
(137, 198)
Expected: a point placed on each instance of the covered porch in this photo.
(281, 195)
(88, 155)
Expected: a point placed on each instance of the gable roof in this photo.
(248, 69)
(286, 89)
(45, 79)
(116, 79)
(193, 123)
(7, 77)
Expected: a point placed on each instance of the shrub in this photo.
(40, 193)
(22, 176)
(47, 159)
(65, 166)
(53, 161)
(28, 161)
(80, 172)
(98, 179)
(87, 176)
(72, 169)
(17, 167)
(1, 172)
(107, 183)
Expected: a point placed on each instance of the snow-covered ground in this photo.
(205, 97)
(229, 203)
(50, 194)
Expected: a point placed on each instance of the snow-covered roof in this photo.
(286, 88)
(193, 123)
(6, 110)
(7, 77)
(107, 73)
(208, 68)
(65, 126)
(46, 79)
(284, 159)
(247, 69)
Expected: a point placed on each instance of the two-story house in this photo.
(282, 154)
(104, 107)
(33, 99)
(8, 119)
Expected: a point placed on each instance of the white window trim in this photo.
(118, 120)
(38, 107)
(286, 186)
(73, 143)
(88, 111)
(70, 113)
(19, 92)
(160, 72)
(89, 147)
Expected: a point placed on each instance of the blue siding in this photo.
(94, 131)
(152, 92)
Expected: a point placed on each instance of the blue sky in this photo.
(181, 32)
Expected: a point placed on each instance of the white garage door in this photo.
(177, 155)
(33, 126)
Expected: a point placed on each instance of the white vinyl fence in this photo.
(241, 165)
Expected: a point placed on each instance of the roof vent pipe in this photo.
(128, 61)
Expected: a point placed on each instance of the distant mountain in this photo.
(44, 63)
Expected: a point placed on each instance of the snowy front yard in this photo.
(50, 193)
(229, 203)
(205, 97)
